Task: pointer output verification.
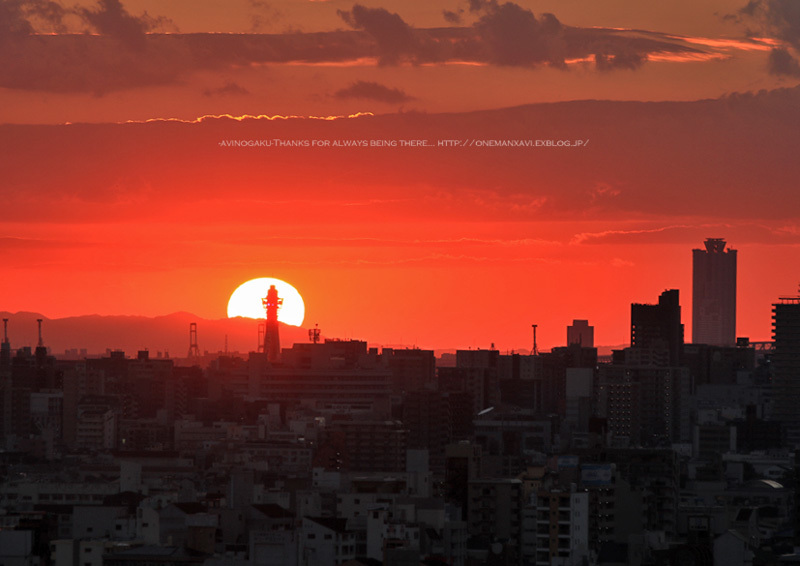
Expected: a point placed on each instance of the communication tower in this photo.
(272, 343)
(194, 351)
(262, 330)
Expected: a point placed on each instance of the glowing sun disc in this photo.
(246, 301)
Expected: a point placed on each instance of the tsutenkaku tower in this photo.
(272, 341)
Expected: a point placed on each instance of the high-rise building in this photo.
(714, 294)
(579, 332)
(786, 360)
(562, 520)
(644, 393)
(658, 327)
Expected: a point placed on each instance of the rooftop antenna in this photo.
(194, 351)
(5, 331)
(41, 343)
(535, 350)
(313, 334)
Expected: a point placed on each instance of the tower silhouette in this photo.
(272, 341)
(714, 294)
(5, 346)
(194, 351)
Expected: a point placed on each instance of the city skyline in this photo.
(442, 207)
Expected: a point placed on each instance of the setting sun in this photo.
(246, 301)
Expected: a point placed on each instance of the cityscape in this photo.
(508, 283)
(329, 451)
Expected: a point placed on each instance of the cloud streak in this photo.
(122, 51)
(367, 90)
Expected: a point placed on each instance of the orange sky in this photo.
(433, 246)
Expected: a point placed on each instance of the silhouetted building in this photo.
(337, 376)
(476, 373)
(647, 404)
(22, 375)
(786, 363)
(5, 348)
(644, 393)
(551, 371)
(412, 369)
(714, 294)
(494, 512)
(580, 333)
(654, 478)
(428, 416)
(520, 383)
(373, 446)
(510, 440)
(718, 365)
(754, 433)
(272, 345)
(658, 328)
(463, 464)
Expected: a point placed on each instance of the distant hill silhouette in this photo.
(169, 333)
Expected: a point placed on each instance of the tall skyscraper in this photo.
(714, 294)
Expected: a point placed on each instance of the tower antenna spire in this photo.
(272, 343)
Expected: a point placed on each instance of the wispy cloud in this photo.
(121, 51)
(368, 90)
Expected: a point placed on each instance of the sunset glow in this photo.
(397, 161)
(246, 301)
